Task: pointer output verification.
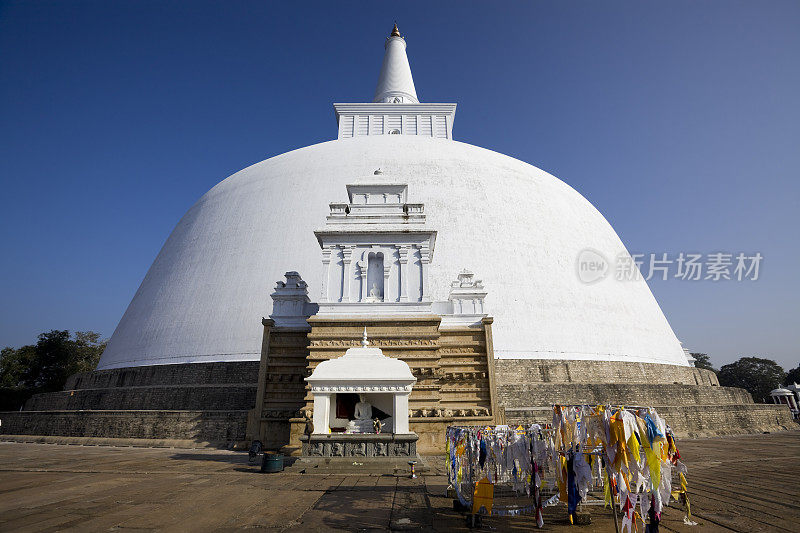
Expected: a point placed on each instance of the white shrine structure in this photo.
(787, 396)
(379, 381)
(376, 249)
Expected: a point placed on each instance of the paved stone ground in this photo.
(744, 483)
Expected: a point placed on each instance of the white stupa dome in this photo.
(515, 226)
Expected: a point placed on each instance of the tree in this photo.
(13, 366)
(46, 365)
(756, 375)
(793, 376)
(702, 360)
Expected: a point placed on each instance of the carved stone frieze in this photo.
(379, 343)
(342, 445)
(449, 413)
(446, 350)
(360, 388)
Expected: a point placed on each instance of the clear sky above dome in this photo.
(677, 121)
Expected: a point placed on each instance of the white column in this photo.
(347, 255)
(403, 271)
(322, 410)
(425, 260)
(360, 275)
(387, 268)
(400, 412)
(326, 269)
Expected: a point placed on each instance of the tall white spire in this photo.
(395, 110)
(395, 84)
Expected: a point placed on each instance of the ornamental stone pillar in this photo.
(400, 412)
(387, 268)
(425, 261)
(326, 272)
(403, 271)
(322, 410)
(360, 275)
(347, 256)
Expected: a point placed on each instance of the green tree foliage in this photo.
(793, 376)
(702, 360)
(46, 365)
(756, 375)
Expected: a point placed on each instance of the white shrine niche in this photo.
(465, 304)
(376, 250)
(291, 305)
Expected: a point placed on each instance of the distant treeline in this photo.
(756, 375)
(46, 365)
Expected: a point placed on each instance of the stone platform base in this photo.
(218, 428)
(372, 446)
(693, 421)
(690, 399)
(118, 442)
(201, 404)
(193, 405)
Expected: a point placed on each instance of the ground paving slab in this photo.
(744, 483)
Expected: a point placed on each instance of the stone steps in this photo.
(354, 465)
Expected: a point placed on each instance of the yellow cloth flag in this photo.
(684, 487)
(642, 425)
(561, 479)
(606, 490)
(633, 444)
(654, 465)
(617, 431)
(483, 497)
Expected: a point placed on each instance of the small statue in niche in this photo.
(363, 410)
(377, 425)
(374, 294)
(363, 417)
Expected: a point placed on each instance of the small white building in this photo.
(795, 388)
(785, 397)
(380, 381)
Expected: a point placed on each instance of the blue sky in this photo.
(678, 120)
